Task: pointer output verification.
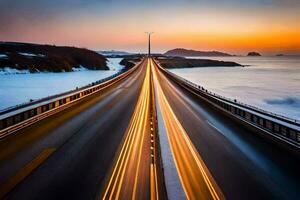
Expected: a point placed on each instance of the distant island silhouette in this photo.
(253, 53)
(177, 62)
(193, 53)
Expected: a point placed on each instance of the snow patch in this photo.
(31, 54)
(3, 56)
(20, 88)
(79, 69)
(8, 70)
(114, 64)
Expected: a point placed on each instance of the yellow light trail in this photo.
(128, 173)
(194, 176)
(154, 185)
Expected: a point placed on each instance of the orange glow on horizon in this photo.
(262, 41)
(232, 31)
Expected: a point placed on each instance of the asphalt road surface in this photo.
(80, 144)
(239, 163)
(104, 147)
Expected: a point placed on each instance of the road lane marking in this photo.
(187, 160)
(25, 171)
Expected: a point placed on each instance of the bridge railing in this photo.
(15, 118)
(282, 128)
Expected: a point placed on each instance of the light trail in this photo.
(155, 193)
(134, 174)
(195, 177)
(131, 172)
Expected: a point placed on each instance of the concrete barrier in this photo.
(282, 128)
(27, 114)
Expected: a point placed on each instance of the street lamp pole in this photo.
(149, 42)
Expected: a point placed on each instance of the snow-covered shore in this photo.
(19, 86)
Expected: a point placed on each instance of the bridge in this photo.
(146, 134)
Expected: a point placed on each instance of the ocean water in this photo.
(19, 88)
(269, 83)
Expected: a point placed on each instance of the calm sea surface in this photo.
(270, 83)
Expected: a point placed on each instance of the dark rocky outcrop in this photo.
(35, 57)
(193, 53)
(253, 54)
(130, 62)
(190, 63)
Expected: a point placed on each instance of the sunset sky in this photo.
(267, 26)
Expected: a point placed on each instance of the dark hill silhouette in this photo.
(193, 53)
(190, 63)
(36, 57)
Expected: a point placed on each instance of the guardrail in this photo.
(282, 128)
(21, 116)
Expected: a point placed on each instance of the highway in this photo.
(106, 146)
(195, 177)
(84, 140)
(237, 162)
(133, 173)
